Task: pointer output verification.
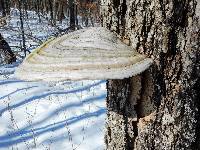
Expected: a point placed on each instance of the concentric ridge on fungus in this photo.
(92, 53)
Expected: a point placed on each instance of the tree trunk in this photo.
(3, 8)
(72, 14)
(6, 53)
(21, 17)
(160, 108)
(51, 10)
(55, 11)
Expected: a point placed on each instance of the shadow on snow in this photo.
(26, 130)
(18, 90)
(51, 127)
(35, 97)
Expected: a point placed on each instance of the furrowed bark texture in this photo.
(162, 108)
(120, 115)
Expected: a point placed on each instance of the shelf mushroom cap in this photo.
(88, 54)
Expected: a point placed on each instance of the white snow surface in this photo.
(40, 116)
(54, 116)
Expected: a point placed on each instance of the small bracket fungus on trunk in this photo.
(87, 54)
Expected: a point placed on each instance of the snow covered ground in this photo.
(57, 116)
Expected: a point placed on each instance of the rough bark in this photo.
(119, 115)
(165, 99)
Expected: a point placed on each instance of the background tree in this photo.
(72, 14)
(159, 109)
(21, 17)
(6, 53)
(3, 8)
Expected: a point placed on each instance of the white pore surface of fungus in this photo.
(88, 54)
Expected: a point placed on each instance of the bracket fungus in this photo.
(87, 54)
